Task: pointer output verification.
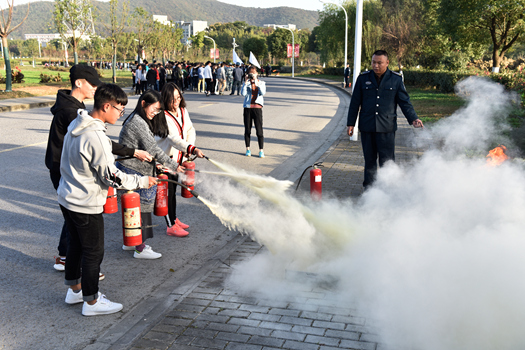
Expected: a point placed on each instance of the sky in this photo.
(312, 5)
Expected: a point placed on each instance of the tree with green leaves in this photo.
(142, 21)
(29, 47)
(119, 20)
(257, 46)
(5, 30)
(73, 19)
(498, 22)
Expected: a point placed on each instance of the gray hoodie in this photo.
(88, 167)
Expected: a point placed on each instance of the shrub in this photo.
(16, 76)
(442, 80)
(46, 78)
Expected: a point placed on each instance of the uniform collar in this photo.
(386, 76)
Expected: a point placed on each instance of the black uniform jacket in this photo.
(377, 105)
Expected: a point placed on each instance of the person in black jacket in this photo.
(84, 81)
(376, 95)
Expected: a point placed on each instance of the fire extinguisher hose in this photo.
(178, 183)
(320, 165)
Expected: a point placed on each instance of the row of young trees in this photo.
(430, 33)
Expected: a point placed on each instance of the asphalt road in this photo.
(301, 121)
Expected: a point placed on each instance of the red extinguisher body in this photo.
(161, 200)
(111, 205)
(316, 183)
(131, 220)
(189, 179)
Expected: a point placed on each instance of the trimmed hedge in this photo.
(441, 80)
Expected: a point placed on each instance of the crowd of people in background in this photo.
(208, 78)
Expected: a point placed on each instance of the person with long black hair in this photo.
(175, 135)
(137, 130)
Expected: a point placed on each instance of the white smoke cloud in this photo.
(432, 253)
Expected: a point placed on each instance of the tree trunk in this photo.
(114, 64)
(496, 60)
(8, 82)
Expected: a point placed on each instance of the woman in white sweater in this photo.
(176, 136)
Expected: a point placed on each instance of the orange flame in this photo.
(497, 156)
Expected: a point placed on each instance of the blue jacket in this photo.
(246, 91)
(377, 105)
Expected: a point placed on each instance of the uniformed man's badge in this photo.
(368, 83)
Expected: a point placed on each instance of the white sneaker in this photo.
(102, 307)
(73, 298)
(147, 253)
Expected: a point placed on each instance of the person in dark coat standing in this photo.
(376, 95)
(347, 75)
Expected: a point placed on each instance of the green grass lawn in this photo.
(431, 106)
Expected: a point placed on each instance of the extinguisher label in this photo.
(318, 178)
(132, 222)
(162, 197)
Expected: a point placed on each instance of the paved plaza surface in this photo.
(204, 310)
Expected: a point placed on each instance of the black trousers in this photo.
(209, 85)
(85, 251)
(172, 199)
(253, 116)
(64, 234)
(376, 145)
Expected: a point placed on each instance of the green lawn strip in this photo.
(431, 105)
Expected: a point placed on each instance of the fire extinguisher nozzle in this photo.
(195, 194)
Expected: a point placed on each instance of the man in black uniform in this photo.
(376, 95)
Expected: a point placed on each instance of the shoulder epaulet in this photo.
(365, 72)
(397, 73)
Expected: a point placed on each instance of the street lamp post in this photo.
(346, 33)
(214, 52)
(293, 49)
(357, 50)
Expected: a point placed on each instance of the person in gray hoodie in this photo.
(88, 169)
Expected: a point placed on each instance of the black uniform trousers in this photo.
(376, 145)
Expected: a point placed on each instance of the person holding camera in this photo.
(253, 90)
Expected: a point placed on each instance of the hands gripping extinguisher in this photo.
(189, 179)
(131, 219)
(111, 205)
(161, 200)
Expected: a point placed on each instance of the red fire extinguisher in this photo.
(161, 200)
(131, 220)
(316, 183)
(111, 205)
(189, 179)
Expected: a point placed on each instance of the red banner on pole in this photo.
(216, 53)
(296, 51)
(289, 51)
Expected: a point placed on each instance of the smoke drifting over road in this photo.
(433, 253)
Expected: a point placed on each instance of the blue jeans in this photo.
(236, 86)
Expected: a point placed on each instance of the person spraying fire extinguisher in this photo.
(137, 131)
(176, 136)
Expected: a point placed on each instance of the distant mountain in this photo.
(40, 14)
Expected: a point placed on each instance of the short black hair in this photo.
(380, 53)
(109, 93)
(252, 69)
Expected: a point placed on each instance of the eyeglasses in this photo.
(178, 98)
(120, 110)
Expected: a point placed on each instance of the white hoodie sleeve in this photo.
(103, 163)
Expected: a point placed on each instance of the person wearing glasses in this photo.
(137, 132)
(84, 82)
(88, 170)
(175, 135)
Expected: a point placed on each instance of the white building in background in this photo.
(161, 19)
(274, 26)
(42, 38)
(189, 29)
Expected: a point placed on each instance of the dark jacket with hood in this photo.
(64, 112)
